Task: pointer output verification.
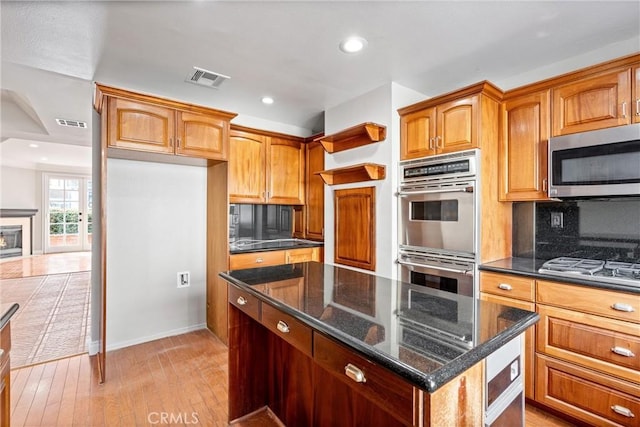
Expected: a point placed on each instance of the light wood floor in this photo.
(184, 377)
(42, 265)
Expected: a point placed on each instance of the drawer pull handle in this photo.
(1, 353)
(505, 287)
(241, 301)
(259, 260)
(622, 411)
(623, 351)
(354, 373)
(283, 327)
(619, 306)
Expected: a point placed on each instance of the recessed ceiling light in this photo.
(267, 100)
(33, 145)
(353, 44)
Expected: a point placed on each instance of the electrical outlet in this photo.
(557, 220)
(184, 279)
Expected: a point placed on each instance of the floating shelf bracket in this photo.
(355, 173)
(356, 136)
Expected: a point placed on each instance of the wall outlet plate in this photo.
(184, 279)
(557, 220)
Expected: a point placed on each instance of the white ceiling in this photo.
(52, 52)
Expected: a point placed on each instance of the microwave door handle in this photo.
(468, 189)
(452, 270)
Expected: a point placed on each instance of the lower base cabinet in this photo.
(304, 381)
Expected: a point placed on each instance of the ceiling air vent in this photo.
(72, 123)
(206, 78)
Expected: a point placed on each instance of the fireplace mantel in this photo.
(17, 213)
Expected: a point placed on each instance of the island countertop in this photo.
(425, 336)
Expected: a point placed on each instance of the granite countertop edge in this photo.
(426, 381)
(285, 246)
(8, 314)
(529, 267)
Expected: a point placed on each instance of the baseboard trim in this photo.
(122, 344)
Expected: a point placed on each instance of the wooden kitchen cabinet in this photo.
(448, 123)
(355, 227)
(524, 138)
(154, 125)
(518, 292)
(593, 102)
(636, 94)
(265, 167)
(314, 208)
(588, 341)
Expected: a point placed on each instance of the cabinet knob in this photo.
(619, 306)
(241, 301)
(624, 109)
(283, 327)
(354, 373)
(431, 144)
(623, 351)
(622, 411)
(505, 286)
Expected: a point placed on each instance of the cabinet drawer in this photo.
(256, 259)
(379, 385)
(618, 305)
(603, 344)
(507, 285)
(597, 399)
(287, 328)
(302, 255)
(245, 302)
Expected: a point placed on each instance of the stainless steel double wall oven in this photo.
(438, 218)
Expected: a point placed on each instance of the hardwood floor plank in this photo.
(184, 377)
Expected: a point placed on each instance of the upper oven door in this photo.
(439, 217)
(597, 163)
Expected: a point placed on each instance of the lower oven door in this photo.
(441, 218)
(447, 275)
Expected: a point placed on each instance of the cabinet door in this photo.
(417, 133)
(592, 103)
(286, 172)
(523, 147)
(200, 135)
(139, 126)
(314, 227)
(355, 227)
(457, 125)
(247, 162)
(635, 99)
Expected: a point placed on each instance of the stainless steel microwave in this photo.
(600, 163)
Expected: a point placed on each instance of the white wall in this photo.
(378, 106)
(156, 227)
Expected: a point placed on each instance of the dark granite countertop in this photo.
(246, 246)
(8, 314)
(529, 267)
(424, 335)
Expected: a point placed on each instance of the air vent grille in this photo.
(206, 78)
(72, 123)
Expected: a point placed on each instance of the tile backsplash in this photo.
(594, 228)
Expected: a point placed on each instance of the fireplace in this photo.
(16, 231)
(10, 240)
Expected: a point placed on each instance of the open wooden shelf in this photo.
(355, 173)
(356, 136)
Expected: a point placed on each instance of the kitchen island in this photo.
(321, 345)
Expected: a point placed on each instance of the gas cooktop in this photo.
(625, 273)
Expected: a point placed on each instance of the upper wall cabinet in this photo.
(265, 167)
(314, 213)
(523, 147)
(636, 94)
(155, 125)
(593, 102)
(447, 123)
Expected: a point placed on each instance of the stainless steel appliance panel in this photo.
(440, 217)
(443, 274)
